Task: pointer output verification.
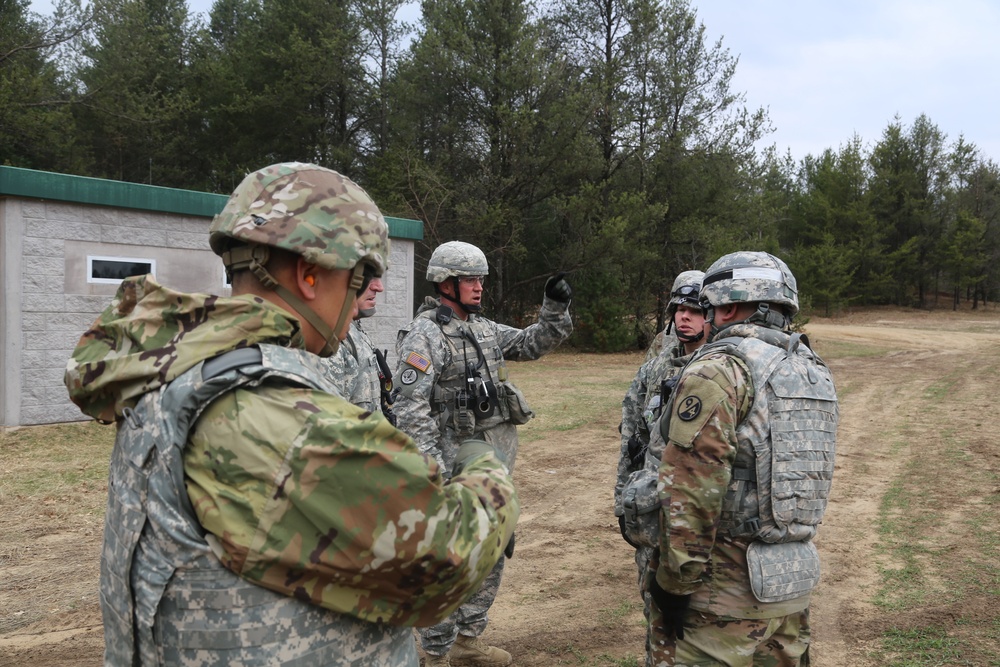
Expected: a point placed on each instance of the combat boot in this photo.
(474, 652)
(436, 660)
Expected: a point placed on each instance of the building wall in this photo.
(46, 301)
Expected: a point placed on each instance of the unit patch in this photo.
(418, 361)
(689, 408)
(408, 376)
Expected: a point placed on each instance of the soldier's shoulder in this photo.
(718, 366)
(421, 327)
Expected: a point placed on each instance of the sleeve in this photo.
(632, 407)
(420, 361)
(316, 503)
(711, 399)
(342, 369)
(554, 325)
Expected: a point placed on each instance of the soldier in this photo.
(744, 480)
(641, 407)
(359, 369)
(454, 385)
(254, 516)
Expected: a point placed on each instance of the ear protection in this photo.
(311, 280)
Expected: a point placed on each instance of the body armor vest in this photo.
(784, 464)
(472, 392)
(165, 597)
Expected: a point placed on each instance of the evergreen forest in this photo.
(603, 138)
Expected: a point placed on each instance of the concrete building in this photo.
(65, 244)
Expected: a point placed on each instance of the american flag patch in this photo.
(418, 361)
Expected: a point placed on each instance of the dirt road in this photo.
(916, 399)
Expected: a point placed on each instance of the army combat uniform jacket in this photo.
(713, 422)
(273, 523)
(453, 380)
(355, 370)
(641, 408)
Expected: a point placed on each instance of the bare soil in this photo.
(917, 399)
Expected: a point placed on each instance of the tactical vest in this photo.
(472, 393)
(165, 598)
(366, 391)
(640, 499)
(784, 465)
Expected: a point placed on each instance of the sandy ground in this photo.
(569, 595)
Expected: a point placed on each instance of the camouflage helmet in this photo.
(309, 210)
(456, 258)
(747, 276)
(686, 287)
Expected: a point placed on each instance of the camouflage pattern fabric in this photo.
(742, 277)
(713, 397)
(427, 353)
(354, 370)
(151, 334)
(642, 405)
(710, 639)
(641, 409)
(456, 258)
(308, 210)
(299, 492)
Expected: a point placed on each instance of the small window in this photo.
(112, 270)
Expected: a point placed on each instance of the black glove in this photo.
(621, 527)
(509, 549)
(636, 452)
(557, 289)
(672, 607)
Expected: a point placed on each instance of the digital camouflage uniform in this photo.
(661, 341)
(254, 516)
(355, 371)
(433, 358)
(708, 487)
(641, 409)
(645, 400)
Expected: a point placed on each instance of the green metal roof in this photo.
(15, 181)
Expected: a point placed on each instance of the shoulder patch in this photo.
(689, 408)
(418, 361)
(408, 376)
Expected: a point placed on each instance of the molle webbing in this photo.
(784, 464)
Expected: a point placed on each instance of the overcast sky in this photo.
(829, 69)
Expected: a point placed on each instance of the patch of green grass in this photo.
(628, 660)
(51, 460)
(920, 647)
(618, 614)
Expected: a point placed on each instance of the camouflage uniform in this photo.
(354, 369)
(661, 341)
(641, 408)
(433, 358)
(707, 481)
(254, 516)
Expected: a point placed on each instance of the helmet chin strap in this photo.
(469, 308)
(687, 338)
(684, 338)
(255, 258)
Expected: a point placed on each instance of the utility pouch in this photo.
(517, 405)
(782, 571)
(463, 419)
(641, 502)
